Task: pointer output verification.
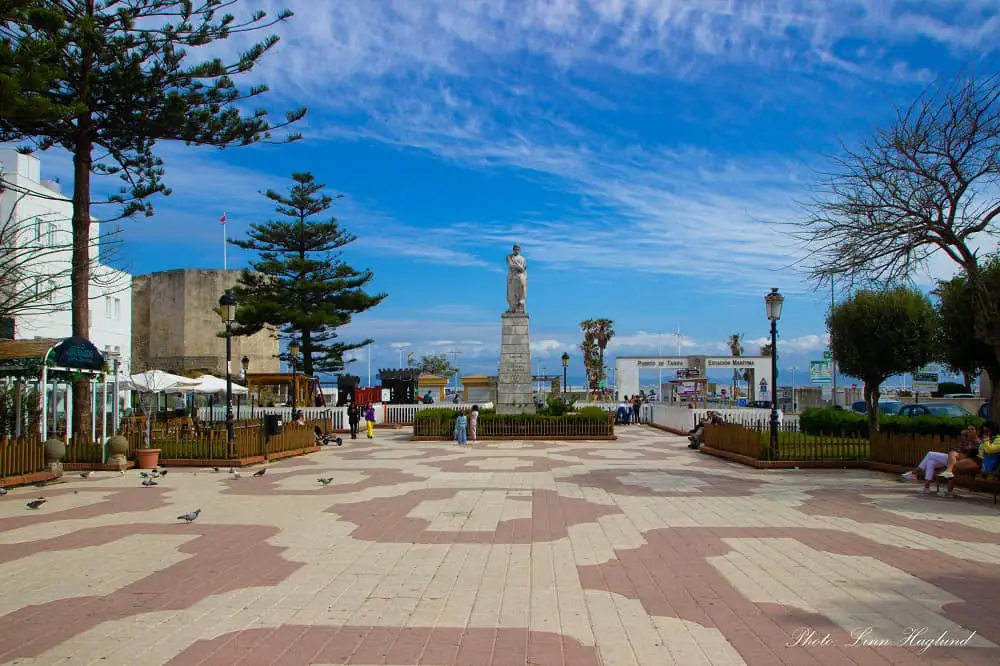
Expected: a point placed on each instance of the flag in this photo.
(222, 220)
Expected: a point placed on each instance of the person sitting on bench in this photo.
(985, 461)
(968, 448)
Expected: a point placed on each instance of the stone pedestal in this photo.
(514, 380)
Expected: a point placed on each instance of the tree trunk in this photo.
(871, 402)
(80, 278)
(995, 393)
(307, 360)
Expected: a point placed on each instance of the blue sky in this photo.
(643, 153)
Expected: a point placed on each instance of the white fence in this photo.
(403, 414)
(683, 419)
(337, 416)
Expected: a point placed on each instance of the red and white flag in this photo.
(222, 220)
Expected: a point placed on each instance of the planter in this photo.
(147, 458)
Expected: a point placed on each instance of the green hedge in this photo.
(589, 422)
(843, 423)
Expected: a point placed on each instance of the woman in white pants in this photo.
(934, 460)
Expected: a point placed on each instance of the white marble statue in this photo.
(517, 280)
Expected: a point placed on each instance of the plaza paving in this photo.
(637, 551)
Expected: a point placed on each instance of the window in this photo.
(107, 307)
(51, 292)
(118, 308)
(51, 235)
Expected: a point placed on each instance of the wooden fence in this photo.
(755, 443)
(518, 427)
(907, 450)
(21, 456)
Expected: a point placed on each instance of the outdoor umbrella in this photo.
(213, 384)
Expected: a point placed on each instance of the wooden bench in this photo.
(989, 482)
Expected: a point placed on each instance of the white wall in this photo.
(54, 211)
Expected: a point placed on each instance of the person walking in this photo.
(370, 421)
(353, 417)
(473, 422)
(460, 429)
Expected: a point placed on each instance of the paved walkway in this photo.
(630, 552)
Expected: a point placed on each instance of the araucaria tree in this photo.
(106, 80)
(877, 334)
(299, 282)
(927, 184)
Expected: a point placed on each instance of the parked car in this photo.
(946, 409)
(884, 406)
(959, 395)
(984, 410)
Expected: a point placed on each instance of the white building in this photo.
(40, 215)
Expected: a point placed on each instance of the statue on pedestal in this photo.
(517, 281)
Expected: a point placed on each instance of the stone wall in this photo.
(175, 326)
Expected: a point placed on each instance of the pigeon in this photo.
(121, 472)
(327, 481)
(163, 472)
(144, 475)
(34, 504)
(216, 469)
(149, 482)
(3, 491)
(235, 474)
(190, 516)
(86, 475)
(260, 472)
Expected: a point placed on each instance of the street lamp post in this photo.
(245, 364)
(773, 302)
(227, 306)
(293, 359)
(565, 364)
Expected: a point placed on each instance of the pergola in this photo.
(305, 387)
(52, 361)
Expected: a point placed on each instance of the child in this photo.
(473, 422)
(460, 423)
(370, 421)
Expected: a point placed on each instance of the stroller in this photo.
(325, 438)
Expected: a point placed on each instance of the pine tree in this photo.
(299, 282)
(106, 80)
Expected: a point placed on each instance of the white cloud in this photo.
(804, 343)
(400, 345)
(546, 347)
(664, 344)
(364, 40)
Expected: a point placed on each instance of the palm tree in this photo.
(597, 333)
(590, 364)
(604, 330)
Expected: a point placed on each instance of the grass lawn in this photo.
(799, 446)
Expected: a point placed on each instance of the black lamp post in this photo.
(773, 302)
(245, 364)
(293, 358)
(227, 307)
(565, 362)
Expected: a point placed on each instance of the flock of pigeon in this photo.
(150, 479)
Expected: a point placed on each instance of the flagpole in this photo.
(225, 239)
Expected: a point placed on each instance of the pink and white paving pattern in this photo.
(637, 551)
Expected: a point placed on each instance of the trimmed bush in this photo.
(440, 423)
(841, 423)
(594, 412)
